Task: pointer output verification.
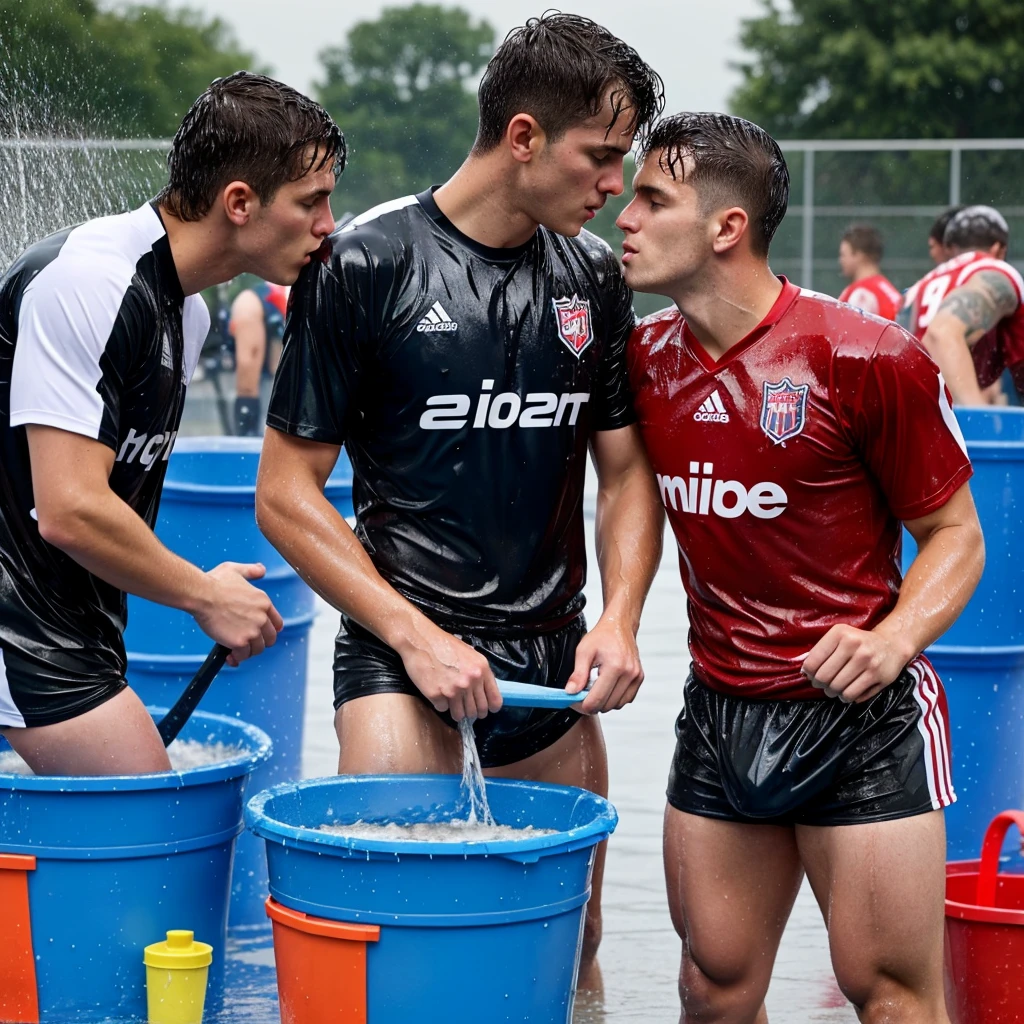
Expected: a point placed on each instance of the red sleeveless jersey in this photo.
(1002, 347)
(786, 468)
(875, 294)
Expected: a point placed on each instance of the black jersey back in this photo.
(96, 338)
(464, 382)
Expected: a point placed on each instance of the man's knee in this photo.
(593, 929)
(727, 992)
(880, 998)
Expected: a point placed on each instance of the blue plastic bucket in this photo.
(995, 615)
(505, 917)
(985, 692)
(119, 861)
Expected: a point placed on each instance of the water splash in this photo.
(474, 787)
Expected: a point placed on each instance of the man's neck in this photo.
(724, 307)
(478, 200)
(201, 256)
(866, 270)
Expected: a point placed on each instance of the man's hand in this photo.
(853, 664)
(451, 675)
(611, 648)
(235, 613)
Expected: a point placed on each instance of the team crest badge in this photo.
(574, 328)
(784, 409)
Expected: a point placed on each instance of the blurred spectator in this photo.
(257, 326)
(860, 256)
(936, 237)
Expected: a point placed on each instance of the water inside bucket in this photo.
(457, 830)
(184, 754)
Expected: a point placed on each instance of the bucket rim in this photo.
(244, 764)
(261, 823)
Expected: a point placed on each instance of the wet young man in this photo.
(467, 346)
(100, 331)
(791, 436)
(860, 259)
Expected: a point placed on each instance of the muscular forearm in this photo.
(948, 346)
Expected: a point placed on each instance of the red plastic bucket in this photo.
(985, 934)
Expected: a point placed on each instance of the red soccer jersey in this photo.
(1002, 347)
(875, 294)
(785, 469)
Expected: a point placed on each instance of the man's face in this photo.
(937, 250)
(282, 236)
(668, 239)
(847, 260)
(571, 178)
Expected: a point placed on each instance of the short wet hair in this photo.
(559, 68)
(735, 162)
(938, 231)
(976, 227)
(249, 128)
(865, 239)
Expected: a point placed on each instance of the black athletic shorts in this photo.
(32, 694)
(364, 665)
(814, 762)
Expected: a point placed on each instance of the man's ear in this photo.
(239, 202)
(732, 226)
(525, 137)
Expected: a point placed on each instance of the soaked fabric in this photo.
(786, 468)
(875, 294)
(364, 665)
(1001, 348)
(96, 338)
(464, 382)
(813, 762)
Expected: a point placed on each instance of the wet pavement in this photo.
(640, 950)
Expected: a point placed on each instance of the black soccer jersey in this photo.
(96, 338)
(464, 382)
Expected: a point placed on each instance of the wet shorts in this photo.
(814, 762)
(32, 694)
(364, 665)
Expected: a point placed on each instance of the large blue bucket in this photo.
(119, 861)
(507, 915)
(207, 515)
(995, 615)
(985, 692)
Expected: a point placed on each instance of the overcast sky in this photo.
(689, 42)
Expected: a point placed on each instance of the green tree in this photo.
(402, 89)
(885, 69)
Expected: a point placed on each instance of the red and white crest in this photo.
(574, 327)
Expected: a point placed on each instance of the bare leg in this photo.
(579, 759)
(117, 738)
(881, 888)
(731, 888)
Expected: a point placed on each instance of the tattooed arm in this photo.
(966, 315)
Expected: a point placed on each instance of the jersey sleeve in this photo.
(613, 404)
(72, 357)
(896, 407)
(990, 263)
(329, 328)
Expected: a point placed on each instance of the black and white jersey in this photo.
(465, 382)
(96, 338)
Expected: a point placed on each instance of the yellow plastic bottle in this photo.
(176, 973)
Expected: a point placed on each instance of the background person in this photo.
(813, 735)
(968, 311)
(467, 346)
(257, 326)
(101, 327)
(937, 235)
(860, 258)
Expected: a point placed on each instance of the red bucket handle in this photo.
(991, 847)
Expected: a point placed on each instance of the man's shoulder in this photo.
(377, 237)
(651, 333)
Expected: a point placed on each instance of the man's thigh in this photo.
(881, 887)
(731, 887)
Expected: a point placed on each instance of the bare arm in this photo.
(855, 664)
(301, 523)
(966, 315)
(79, 513)
(629, 530)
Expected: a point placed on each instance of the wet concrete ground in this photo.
(640, 950)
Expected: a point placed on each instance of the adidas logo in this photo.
(436, 320)
(712, 410)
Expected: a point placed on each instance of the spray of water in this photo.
(473, 784)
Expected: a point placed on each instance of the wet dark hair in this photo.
(247, 128)
(558, 68)
(976, 227)
(735, 162)
(938, 231)
(865, 239)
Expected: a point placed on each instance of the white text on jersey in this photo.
(436, 320)
(147, 448)
(538, 409)
(712, 410)
(701, 494)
